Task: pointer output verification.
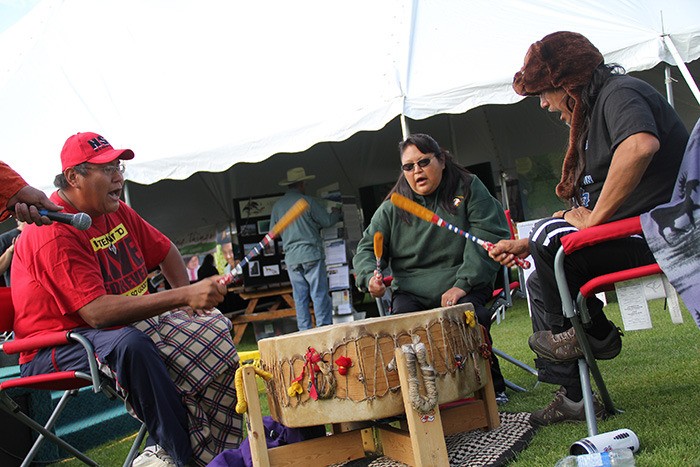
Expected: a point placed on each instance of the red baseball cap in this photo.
(90, 147)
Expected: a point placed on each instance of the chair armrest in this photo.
(36, 343)
(601, 233)
(55, 339)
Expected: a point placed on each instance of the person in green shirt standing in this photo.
(303, 250)
(432, 267)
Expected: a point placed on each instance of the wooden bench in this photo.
(280, 295)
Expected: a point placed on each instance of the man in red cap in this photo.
(626, 144)
(94, 281)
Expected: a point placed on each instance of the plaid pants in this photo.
(202, 360)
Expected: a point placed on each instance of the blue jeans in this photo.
(310, 281)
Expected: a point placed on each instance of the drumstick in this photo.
(427, 215)
(378, 250)
(290, 216)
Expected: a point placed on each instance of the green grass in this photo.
(655, 380)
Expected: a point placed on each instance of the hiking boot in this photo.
(564, 347)
(563, 409)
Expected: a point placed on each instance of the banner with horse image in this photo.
(672, 232)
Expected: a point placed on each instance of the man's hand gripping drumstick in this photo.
(289, 217)
(429, 216)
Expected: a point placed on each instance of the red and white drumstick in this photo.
(427, 215)
(290, 216)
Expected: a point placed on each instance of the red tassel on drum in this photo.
(343, 363)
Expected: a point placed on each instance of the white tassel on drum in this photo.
(417, 353)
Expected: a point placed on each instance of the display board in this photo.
(252, 223)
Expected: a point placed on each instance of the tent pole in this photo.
(669, 85)
(682, 66)
(404, 127)
(127, 196)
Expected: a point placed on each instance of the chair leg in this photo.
(588, 407)
(135, 446)
(515, 361)
(11, 408)
(514, 386)
(380, 306)
(588, 366)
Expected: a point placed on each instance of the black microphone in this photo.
(80, 221)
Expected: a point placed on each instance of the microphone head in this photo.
(81, 221)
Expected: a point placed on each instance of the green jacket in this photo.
(427, 260)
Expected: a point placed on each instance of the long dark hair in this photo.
(451, 175)
(589, 96)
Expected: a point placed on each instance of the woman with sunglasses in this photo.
(433, 267)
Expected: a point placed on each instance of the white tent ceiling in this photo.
(200, 86)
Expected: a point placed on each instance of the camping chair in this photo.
(68, 381)
(576, 311)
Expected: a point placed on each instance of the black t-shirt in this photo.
(626, 106)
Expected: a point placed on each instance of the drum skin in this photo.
(370, 389)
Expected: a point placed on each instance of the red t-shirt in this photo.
(10, 184)
(58, 269)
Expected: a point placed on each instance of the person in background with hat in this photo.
(626, 144)
(94, 282)
(303, 250)
(21, 200)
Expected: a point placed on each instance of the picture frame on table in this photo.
(248, 230)
(254, 269)
(269, 249)
(263, 226)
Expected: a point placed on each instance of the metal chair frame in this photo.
(577, 312)
(68, 381)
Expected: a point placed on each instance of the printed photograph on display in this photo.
(269, 249)
(248, 230)
(264, 226)
(254, 269)
(258, 207)
(248, 247)
(271, 270)
(280, 247)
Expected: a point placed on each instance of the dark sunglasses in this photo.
(421, 163)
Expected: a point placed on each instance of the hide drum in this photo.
(370, 389)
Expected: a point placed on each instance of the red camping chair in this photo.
(68, 381)
(576, 310)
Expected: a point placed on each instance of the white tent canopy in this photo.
(200, 86)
